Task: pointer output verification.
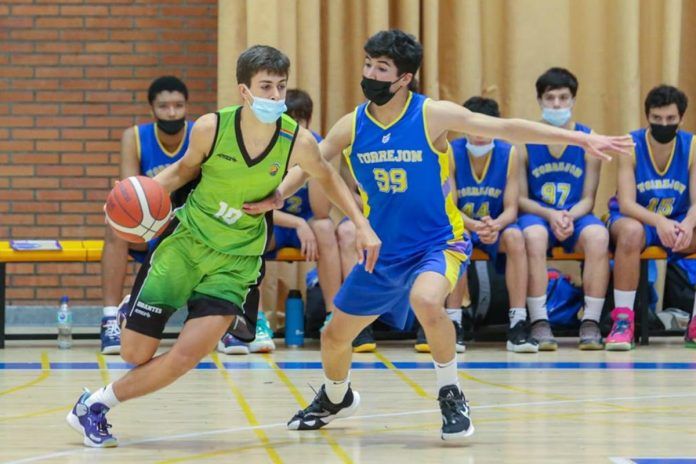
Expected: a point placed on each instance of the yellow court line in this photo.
(42, 412)
(103, 369)
(251, 418)
(45, 372)
(417, 388)
(525, 391)
(337, 449)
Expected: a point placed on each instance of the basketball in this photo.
(138, 209)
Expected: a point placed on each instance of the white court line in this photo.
(367, 416)
(621, 461)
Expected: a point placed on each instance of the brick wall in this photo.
(73, 76)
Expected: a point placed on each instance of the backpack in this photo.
(563, 301)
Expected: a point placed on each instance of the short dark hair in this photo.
(665, 95)
(556, 78)
(402, 48)
(261, 58)
(166, 83)
(483, 105)
(299, 104)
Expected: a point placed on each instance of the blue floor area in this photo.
(303, 365)
(663, 460)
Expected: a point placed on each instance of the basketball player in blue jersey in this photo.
(146, 149)
(396, 145)
(656, 198)
(487, 188)
(558, 184)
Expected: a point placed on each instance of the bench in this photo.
(91, 251)
(72, 251)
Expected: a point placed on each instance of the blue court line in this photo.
(305, 365)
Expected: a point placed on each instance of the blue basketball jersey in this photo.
(298, 203)
(403, 182)
(556, 182)
(479, 197)
(663, 192)
(152, 154)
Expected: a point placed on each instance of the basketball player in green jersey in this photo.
(212, 260)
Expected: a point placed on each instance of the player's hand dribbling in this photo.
(368, 244)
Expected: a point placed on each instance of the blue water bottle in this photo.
(294, 319)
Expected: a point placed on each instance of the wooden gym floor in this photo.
(562, 407)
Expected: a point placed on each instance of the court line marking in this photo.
(45, 372)
(103, 369)
(251, 418)
(41, 412)
(337, 449)
(409, 381)
(367, 416)
(665, 460)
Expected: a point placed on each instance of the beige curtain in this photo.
(619, 49)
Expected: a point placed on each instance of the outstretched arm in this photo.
(444, 116)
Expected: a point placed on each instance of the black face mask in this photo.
(663, 134)
(171, 127)
(377, 91)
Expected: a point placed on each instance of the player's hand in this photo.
(685, 235)
(367, 244)
(668, 231)
(308, 241)
(600, 146)
(271, 202)
(489, 236)
(559, 224)
(476, 226)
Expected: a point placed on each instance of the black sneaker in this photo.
(467, 324)
(519, 339)
(322, 411)
(460, 346)
(365, 341)
(456, 422)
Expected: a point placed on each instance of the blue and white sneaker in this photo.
(263, 343)
(229, 344)
(110, 336)
(90, 422)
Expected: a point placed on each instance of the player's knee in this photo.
(596, 240)
(346, 235)
(536, 240)
(514, 242)
(425, 303)
(330, 337)
(630, 236)
(324, 231)
(134, 355)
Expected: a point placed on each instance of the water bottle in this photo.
(64, 323)
(294, 319)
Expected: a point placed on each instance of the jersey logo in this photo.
(227, 157)
(273, 170)
(386, 138)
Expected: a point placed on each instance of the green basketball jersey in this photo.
(230, 178)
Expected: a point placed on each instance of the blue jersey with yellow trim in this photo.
(556, 181)
(663, 192)
(479, 197)
(152, 154)
(403, 182)
(298, 203)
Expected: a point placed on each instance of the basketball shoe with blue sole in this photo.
(90, 422)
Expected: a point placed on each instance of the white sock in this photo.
(537, 307)
(336, 389)
(593, 308)
(446, 374)
(455, 314)
(517, 315)
(104, 396)
(624, 299)
(110, 311)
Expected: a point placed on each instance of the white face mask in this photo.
(556, 117)
(477, 151)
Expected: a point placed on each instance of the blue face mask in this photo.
(478, 151)
(266, 110)
(557, 117)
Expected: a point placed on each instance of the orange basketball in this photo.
(138, 209)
